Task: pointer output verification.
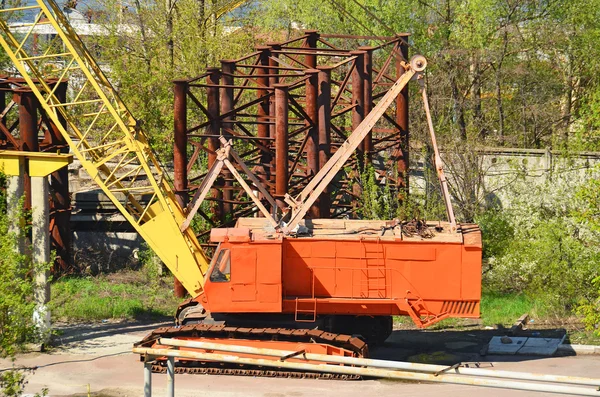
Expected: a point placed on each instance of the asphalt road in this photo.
(98, 356)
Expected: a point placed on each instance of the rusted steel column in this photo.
(263, 116)
(212, 106)
(312, 92)
(272, 81)
(180, 181)
(324, 110)
(180, 88)
(312, 143)
(228, 69)
(61, 200)
(402, 120)
(358, 98)
(368, 95)
(28, 131)
(281, 143)
(311, 42)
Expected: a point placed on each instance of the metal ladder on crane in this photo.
(103, 134)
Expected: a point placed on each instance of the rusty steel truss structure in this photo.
(288, 106)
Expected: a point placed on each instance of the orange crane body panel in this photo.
(254, 271)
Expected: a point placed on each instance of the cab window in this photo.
(222, 269)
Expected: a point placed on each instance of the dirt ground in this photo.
(98, 356)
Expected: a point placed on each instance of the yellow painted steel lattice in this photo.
(103, 134)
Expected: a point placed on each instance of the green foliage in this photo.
(539, 247)
(587, 212)
(496, 230)
(504, 309)
(374, 204)
(498, 72)
(16, 303)
(12, 383)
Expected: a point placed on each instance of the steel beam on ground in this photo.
(442, 377)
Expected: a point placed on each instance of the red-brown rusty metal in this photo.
(28, 117)
(401, 50)
(263, 109)
(324, 112)
(248, 114)
(213, 129)
(358, 97)
(367, 145)
(281, 143)
(312, 144)
(180, 179)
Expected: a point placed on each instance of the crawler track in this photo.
(198, 331)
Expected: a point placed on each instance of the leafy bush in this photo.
(16, 300)
(539, 244)
(588, 213)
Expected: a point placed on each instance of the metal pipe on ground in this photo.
(368, 362)
(371, 372)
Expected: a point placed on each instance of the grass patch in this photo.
(124, 295)
(505, 309)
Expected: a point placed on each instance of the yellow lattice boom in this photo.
(103, 134)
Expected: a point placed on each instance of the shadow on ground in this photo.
(71, 335)
(451, 346)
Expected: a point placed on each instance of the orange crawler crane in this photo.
(327, 286)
